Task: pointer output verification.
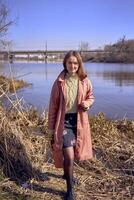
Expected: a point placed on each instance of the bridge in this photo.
(48, 55)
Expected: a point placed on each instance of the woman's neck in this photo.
(72, 75)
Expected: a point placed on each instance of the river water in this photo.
(113, 85)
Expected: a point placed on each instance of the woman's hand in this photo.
(52, 141)
(85, 105)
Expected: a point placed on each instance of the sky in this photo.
(64, 24)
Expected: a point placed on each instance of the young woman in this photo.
(68, 122)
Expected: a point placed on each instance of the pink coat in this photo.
(83, 150)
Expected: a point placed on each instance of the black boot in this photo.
(70, 195)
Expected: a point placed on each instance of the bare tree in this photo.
(84, 46)
(5, 22)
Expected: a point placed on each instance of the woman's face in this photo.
(72, 65)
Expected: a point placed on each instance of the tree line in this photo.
(121, 51)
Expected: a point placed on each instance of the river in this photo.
(113, 85)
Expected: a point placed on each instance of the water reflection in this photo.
(119, 78)
(46, 71)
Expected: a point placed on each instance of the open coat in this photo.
(56, 115)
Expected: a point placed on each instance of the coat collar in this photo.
(61, 76)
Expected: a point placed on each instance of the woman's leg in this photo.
(68, 166)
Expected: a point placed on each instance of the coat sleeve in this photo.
(53, 106)
(89, 96)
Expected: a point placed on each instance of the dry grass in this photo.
(25, 158)
(8, 85)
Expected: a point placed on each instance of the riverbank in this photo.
(11, 84)
(26, 165)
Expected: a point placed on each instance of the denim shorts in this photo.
(70, 130)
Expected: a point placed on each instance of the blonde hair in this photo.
(81, 71)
